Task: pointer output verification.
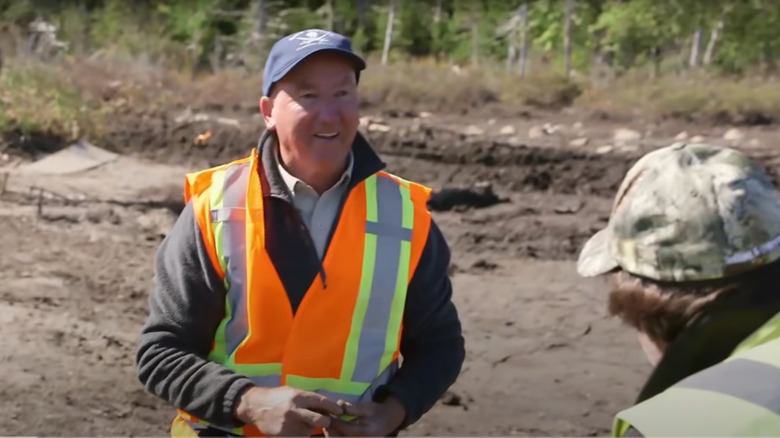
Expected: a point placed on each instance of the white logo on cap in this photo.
(309, 38)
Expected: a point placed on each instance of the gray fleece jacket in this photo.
(186, 304)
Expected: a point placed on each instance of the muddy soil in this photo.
(543, 357)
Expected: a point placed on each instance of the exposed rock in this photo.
(536, 132)
(624, 135)
(604, 149)
(579, 142)
(734, 134)
(473, 130)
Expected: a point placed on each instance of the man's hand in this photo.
(372, 419)
(286, 411)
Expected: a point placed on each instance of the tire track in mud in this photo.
(512, 168)
(538, 180)
(543, 182)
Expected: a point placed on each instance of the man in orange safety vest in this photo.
(297, 278)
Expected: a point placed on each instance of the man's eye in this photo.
(341, 93)
(308, 95)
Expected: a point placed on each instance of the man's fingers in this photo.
(313, 419)
(320, 403)
(359, 409)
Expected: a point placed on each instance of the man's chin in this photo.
(328, 152)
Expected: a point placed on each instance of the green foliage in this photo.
(629, 33)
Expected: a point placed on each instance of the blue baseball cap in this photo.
(289, 51)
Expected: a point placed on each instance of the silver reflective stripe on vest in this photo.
(389, 230)
(745, 379)
(272, 381)
(233, 213)
(390, 234)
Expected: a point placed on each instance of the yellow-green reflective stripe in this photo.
(407, 207)
(228, 193)
(371, 204)
(386, 282)
(330, 385)
(695, 412)
(267, 375)
(358, 315)
(219, 353)
(265, 369)
(770, 331)
(378, 311)
(397, 307)
(234, 253)
(399, 298)
(361, 306)
(741, 395)
(219, 238)
(619, 427)
(768, 353)
(216, 196)
(745, 379)
(403, 182)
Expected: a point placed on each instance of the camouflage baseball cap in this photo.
(688, 212)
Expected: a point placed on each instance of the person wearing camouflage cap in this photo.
(691, 253)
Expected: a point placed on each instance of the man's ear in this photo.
(266, 109)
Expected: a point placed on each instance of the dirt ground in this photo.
(543, 357)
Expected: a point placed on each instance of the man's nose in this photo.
(329, 111)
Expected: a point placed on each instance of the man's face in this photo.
(314, 111)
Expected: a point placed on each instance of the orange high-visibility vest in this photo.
(344, 339)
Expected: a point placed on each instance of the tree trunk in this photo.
(475, 41)
(84, 44)
(693, 61)
(657, 58)
(329, 11)
(714, 35)
(511, 46)
(567, 38)
(523, 38)
(361, 7)
(389, 31)
(261, 20)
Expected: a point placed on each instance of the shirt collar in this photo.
(291, 181)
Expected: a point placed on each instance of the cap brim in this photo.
(596, 258)
(360, 64)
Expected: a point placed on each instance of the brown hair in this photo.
(662, 310)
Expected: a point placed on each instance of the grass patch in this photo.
(432, 86)
(72, 99)
(698, 97)
(78, 98)
(38, 98)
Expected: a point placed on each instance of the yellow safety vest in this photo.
(738, 397)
